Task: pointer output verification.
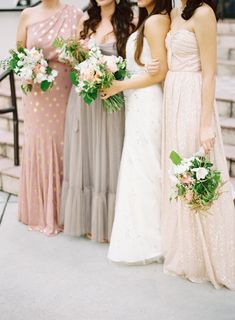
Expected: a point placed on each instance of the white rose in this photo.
(20, 63)
(43, 63)
(54, 73)
(201, 173)
(43, 69)
(180, 169)
(26, 73)
(21, 55)
(39, 78)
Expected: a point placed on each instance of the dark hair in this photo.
(192, 5)
(121, 21)
(161, 7)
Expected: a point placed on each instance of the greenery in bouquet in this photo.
(95, 74)
(196, 181)
(71, 51)
(31, 67)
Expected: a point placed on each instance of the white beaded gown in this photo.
(136, 237)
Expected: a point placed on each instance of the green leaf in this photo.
(87, 99)
(26, 88)
(49, 70)
(175, 158)
(58, 42)
(181, 190)
(45, 85)
(73, 78)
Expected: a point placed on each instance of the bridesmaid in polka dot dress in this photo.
(44, 116)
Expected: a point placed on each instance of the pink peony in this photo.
(111, 63)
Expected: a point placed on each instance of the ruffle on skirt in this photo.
(96, 212)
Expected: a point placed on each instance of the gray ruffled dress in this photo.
(92, 154)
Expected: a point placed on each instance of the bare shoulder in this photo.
(25, 14)
(204, 13)
(160, 20)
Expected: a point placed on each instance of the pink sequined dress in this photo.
(44, 117)
(198, 247)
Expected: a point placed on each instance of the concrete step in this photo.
(233, 186)
(226, 40)
(228, 130)
(226, 27)
(9, 176)
(226, 52)
(7, 144)
(226, 67)
(225, 96)
(230, 156)
(6, 123)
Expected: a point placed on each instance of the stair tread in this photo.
(228, 123)
(7, 137)
(6, 92)
(5, 164)
(225, 88)
(229, 152)
(10, 117)
(226, 62)
(13, 171)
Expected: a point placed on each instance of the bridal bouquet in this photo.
(31, 67)
(196, 182)
(71, 51)
(97, 73)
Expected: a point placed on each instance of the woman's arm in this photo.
(21, 37)
(156, 28)
(205, 30)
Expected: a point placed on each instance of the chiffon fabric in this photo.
(92, 153)
(198, 247)
(44, 116)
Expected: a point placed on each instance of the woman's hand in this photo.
(153, 67)
(207, 138)
(115, 88)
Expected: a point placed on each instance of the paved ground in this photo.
(63, 278)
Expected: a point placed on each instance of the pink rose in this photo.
(111, 63)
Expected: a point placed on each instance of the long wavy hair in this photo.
(192, 5)
(121, 21)
(161, 7)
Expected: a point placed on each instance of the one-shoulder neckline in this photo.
(49, 18)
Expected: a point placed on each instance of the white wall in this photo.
(9, 21)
